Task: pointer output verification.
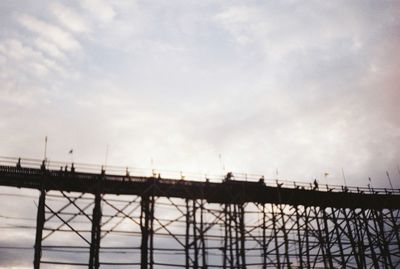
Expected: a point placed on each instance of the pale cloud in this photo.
(50, 32)
(49, 48)
(25, 57)
(236, 21)
(281, 29)
(100, 10)
(69, 18)
(30, 60)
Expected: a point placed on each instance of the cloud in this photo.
(51, 33)
(100, 10)
(69, 18)
(49, 48)
(25, 58)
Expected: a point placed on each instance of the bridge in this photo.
(115, 217)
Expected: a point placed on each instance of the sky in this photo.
(286, 89)
(259, 87)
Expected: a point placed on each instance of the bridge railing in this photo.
(55, 168)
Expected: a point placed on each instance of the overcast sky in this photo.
(302, 87)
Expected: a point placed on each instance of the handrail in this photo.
(84, 170)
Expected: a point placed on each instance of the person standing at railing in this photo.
(315, 184)
(43, 166)
(19, 163)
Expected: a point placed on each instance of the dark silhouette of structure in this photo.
(171, 223)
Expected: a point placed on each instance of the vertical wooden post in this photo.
(264, 241)
(202, 239)
(144, 226)
(40, 219)
(230, 235)
(306, 234)
(195, 239)
(187, 235)
(320, 237)
(365, 221)
(278, 262)
(224, 250)
(338, 237)
(395, 228)
(327, 240)
(236, 229)
(383, 241)
(96, 230)
(152, 231)
(285, 238)
(299, 239)
(351, 238)
(360, 239)
(242, 236)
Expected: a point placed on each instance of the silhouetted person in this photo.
(127, 172)
(19, 163)
(229, 176)
(315, 184)
(72, 168)
(127, 175)
(43, 166)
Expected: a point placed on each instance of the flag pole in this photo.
(106, 157)
(45, 148)
(344, 178)
(390, 181)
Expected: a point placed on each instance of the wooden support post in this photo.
(195, 239)
(285, 237)
(236, 229)
(327, 238)
(386, 253)
(187, 235)
(322, 246)
(299, 239)
(365, 221)
(306, 234)
(144, 227)
(231, 256)
(224, 250)
(278, 262)
(378, 240)
(96, 230)
(40, 219)
(151, 229)
(351, 238)
(202, 239)
(242, 236)
(264, 239)
(360, 239)
(395, 228)
(338, 237)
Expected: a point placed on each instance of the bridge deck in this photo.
(231, 191)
